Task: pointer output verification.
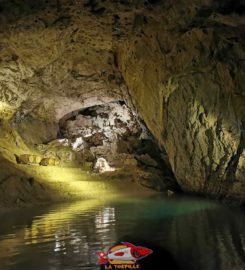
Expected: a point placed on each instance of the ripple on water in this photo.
(198, 233)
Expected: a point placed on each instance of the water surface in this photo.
(198, 234)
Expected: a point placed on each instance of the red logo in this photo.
(123, 253)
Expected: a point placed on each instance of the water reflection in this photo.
(198, 233)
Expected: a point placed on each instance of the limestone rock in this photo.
(194, 103)
(101, 165)
(49, 162)
(178, 64)
(28, 159)
(240, 170)
(122, 146)
(95, 139)
(88, 156)
(147, 160)
(87, 166)
(130, 162)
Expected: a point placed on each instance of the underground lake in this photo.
(183, 232)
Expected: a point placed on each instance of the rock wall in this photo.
(52, 61)
(191, 95)
(180, 64)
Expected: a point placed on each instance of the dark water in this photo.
(193, 233)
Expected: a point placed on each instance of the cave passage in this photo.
(118, 114)
(110, 137)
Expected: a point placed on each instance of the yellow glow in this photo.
(45, 225)
(3, 106)
(69, 182)
(42, 226)
(6, 111)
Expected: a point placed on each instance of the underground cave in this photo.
(122, 133)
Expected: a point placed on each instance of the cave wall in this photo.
(192, 95)
(179, 63)
(52, 61)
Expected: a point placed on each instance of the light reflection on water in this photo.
(198, 233)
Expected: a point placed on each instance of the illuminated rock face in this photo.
(180, 64)
(110, 120)
(111, 138)
(192, 95)
(104, 131)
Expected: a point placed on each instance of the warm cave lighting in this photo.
(6, 111)
(122, 134)
(2, 106)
